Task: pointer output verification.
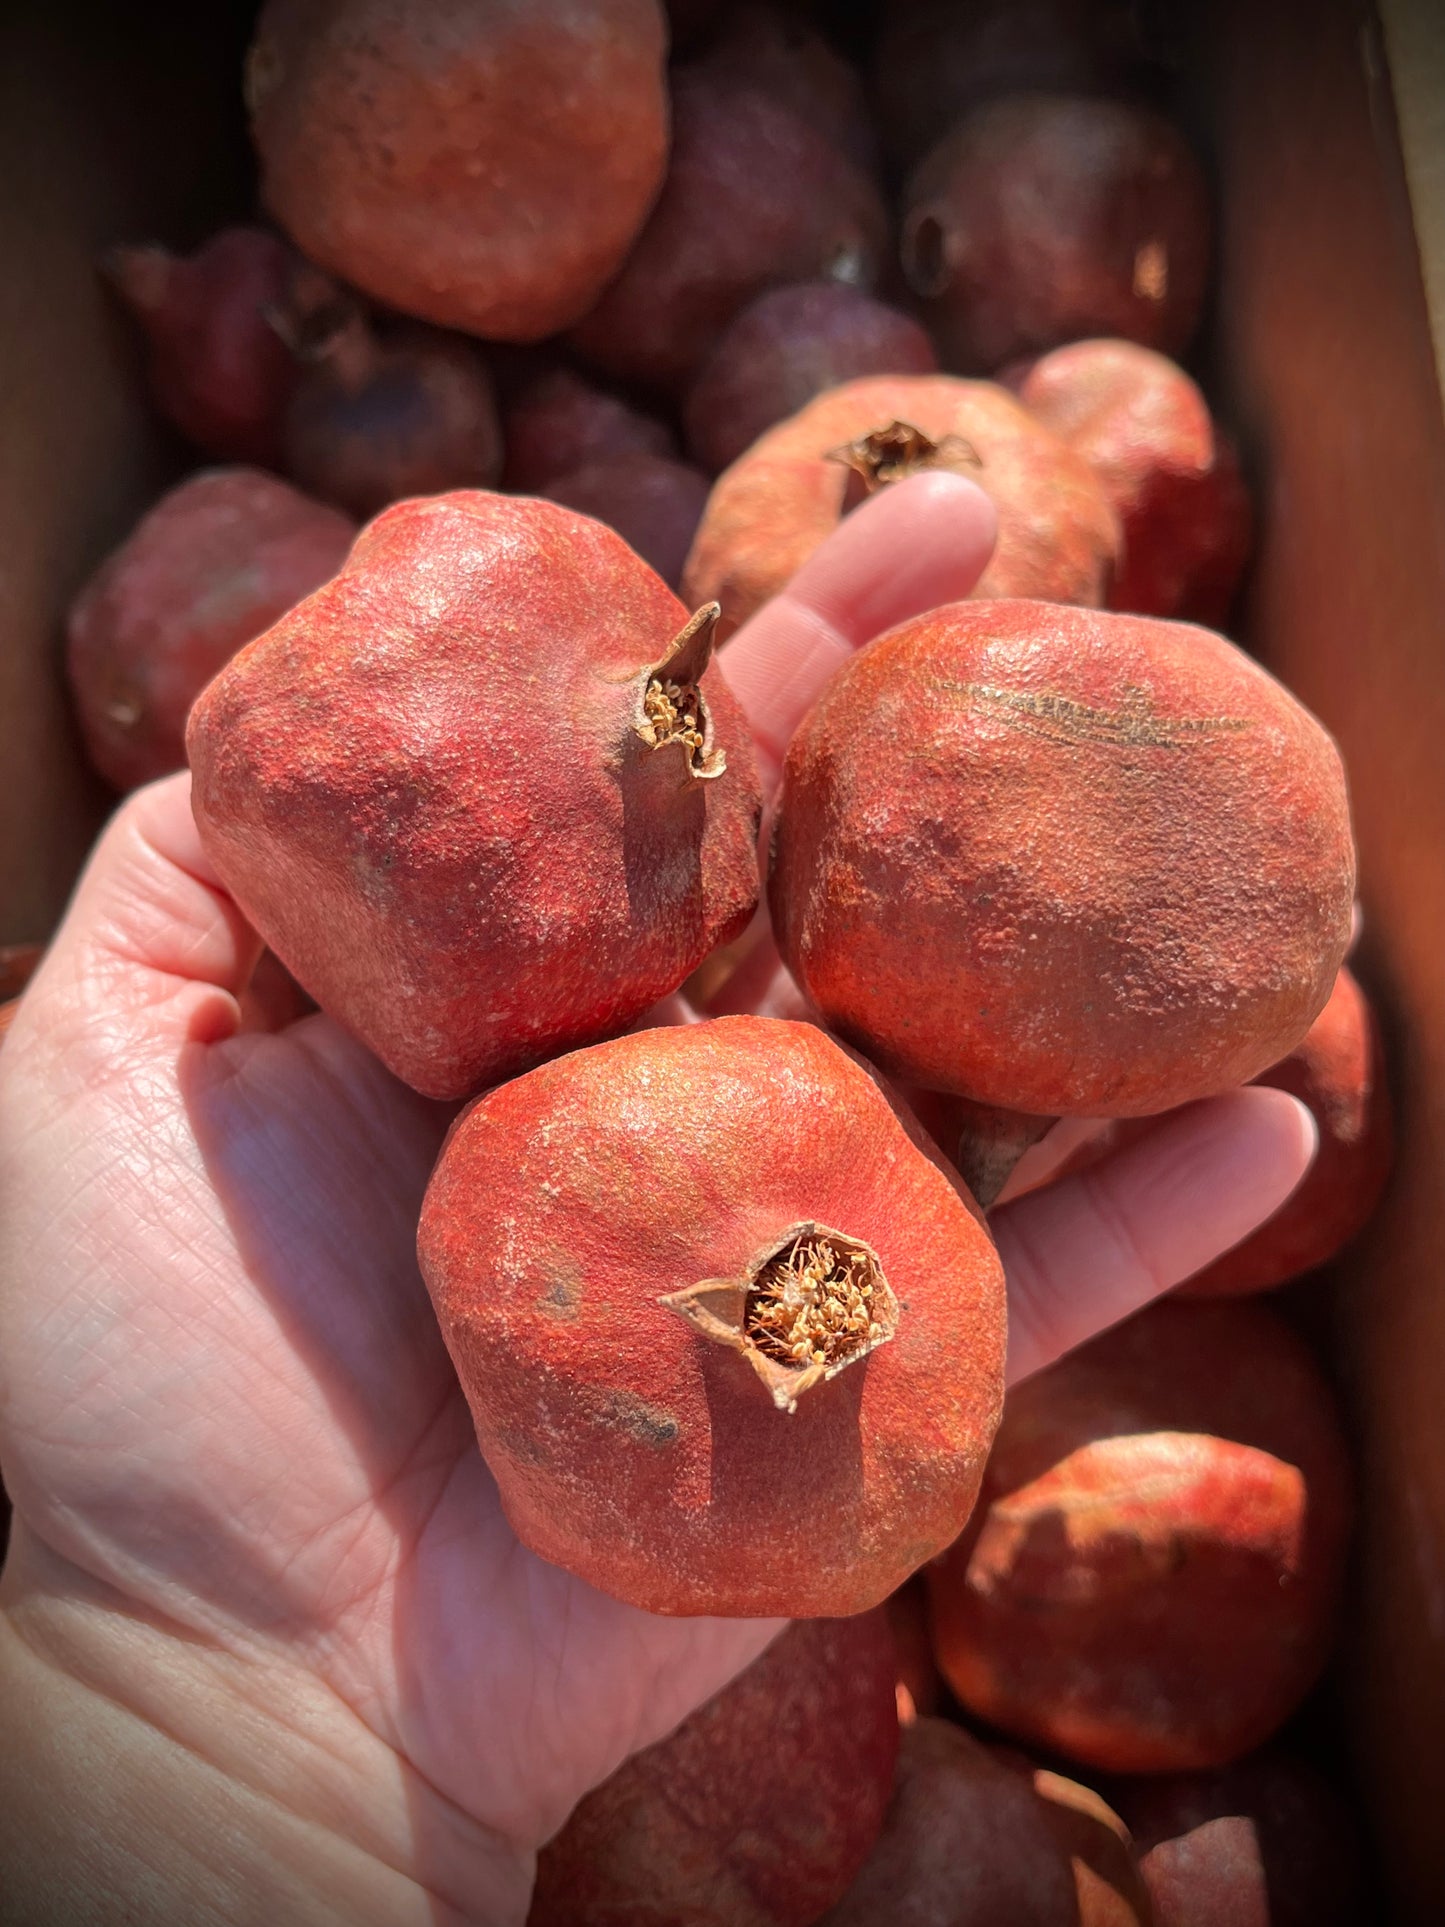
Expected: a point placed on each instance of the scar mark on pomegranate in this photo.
(1136, 724)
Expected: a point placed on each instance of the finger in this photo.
(1091, 1249)
(920, 543)
(152, 947)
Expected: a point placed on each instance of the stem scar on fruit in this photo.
(671, 707)
(811, 1303)
(893, 453)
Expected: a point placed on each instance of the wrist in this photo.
(150, 1777)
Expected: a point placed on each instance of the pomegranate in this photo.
(213, 564)
(483, 794)
(1058, 537)
(754, 195)
(1268, 1842)
(788, 346)
(968, 1842)
(1171, 474)
(1150, 1581)
(480, 165)
(756, 1812)
(377, 417)
(1337, 1070)
(1062, 862)
(561, 422)
(775, 51)
(653, 503)
(935, 59)
(217, 371)
(1045, 217)
(732, 1341)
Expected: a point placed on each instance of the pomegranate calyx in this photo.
(809, 1305)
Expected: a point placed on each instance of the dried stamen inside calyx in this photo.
(890, 454)
(814, 1302)
(672, 706)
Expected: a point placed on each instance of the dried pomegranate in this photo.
(478, 165)
(653, 503)
(732, 1341)
(935, 60)
(1338, 1071)
(968, 1842)
(1150, 1581)
(756, 1812)
(1268, 1842)
(217, 370)
(1045, 217)
(377, 417)
(1171, 474)
(1058, 537)
(754, 195)
(1061, 861)
(788, 346)
(483, 794)
(214, 563)
(561, 422)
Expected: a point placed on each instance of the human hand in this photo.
(268, 1649)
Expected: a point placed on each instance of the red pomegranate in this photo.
(787, 347)
(1062, 862)
(560, 422)
(1150, 1581)
(1043, 218)
(483, 794)
(1336, 1069)
(212, 565)
(935, 60)
(754, 195)
(775, 50)
(756, 1812)
(484, 167)
(654, 503)
(969, 1842)
(1057, 537)
(732, 1341)
(378, 416)
(1267, 1842)
(218, 371)
(1170, 472)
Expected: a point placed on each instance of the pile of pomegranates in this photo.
(606, 315)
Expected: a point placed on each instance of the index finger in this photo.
(918, 544)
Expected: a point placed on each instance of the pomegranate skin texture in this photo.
(1151, 1578)
(561, 422)
(1171, 474)
(640, 1370)
(376, 418)
(1337, 1069)
(1057, 536)
(788, 346)
(1268, 1842)
(969, 1842)
(1062, 862)
(756, 1812)
(453, 794)
(654, 504)
(218, 370)
(212, 565)
(1043, 218)
(755, 195)
(481, 164)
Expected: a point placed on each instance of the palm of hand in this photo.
(226, 1413)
